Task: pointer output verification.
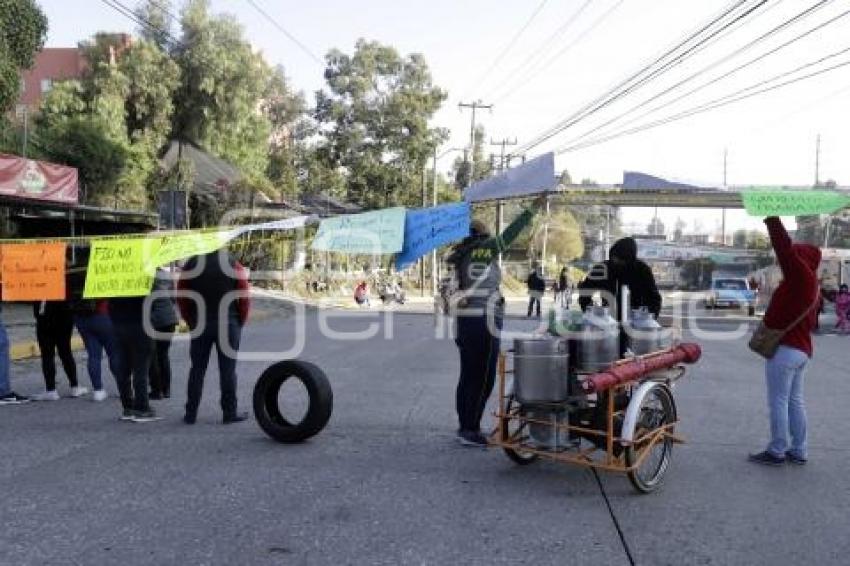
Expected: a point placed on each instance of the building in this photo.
(51, 65)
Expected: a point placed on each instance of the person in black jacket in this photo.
(164, 321)
(536, 289)
(622, 269)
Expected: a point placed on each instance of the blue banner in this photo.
(428, 228)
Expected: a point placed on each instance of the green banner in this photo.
(121, 268)
(376, 232)
(793, 203)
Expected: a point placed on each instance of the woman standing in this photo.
(54, 325)
(164, 320)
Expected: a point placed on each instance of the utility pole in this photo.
(503, 143)
(474, 106)
(817, 161)
(725, 185)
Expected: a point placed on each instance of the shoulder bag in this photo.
(765, 340)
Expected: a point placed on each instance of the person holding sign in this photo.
(793, 312)
(479, 309)
(54, 325)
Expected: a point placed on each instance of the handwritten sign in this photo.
(181, 246)
(121, 268)
(376, 232)
(429, 228)
(793, 203)
(33, 272)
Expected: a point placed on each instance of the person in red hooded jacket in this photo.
(793, 308)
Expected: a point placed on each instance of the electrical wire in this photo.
(283, 30)
(737, 96)
(124, 10)
(715, 64)
(596, 23)
(625, 87)
(508, 46)
(523, 66)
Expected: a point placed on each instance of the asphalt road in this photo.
(386, 483)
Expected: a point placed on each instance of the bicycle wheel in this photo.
(512, 429)
(657, 409)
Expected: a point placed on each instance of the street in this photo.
(386, 483)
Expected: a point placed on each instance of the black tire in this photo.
(657, 409)
(266, 409)
(517, 456)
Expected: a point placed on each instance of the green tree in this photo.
(374, 115)
(157, 15)
(562, 235)
(463, 164)
(23, 29)
(290, 129)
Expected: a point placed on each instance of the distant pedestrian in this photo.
(536, 289)
(361, 294)
(164, 321)
(7, 396)
(793, 311)
(54, 326)
(222, 284)
(842, 309)
(564, 287)
(135, 347)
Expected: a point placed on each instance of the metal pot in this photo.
(541, 367)
(598, 342)
(547, 436)
(646, 335)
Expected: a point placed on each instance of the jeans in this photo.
(134, 361)
(479, 353)
(199, 352)
(5, 388)
(54, 337)
(160, 370)
(784, 374)
(98, 335)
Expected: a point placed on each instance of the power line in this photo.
(725, 75)
(722, 101)
(508, 46)
(283, 30)
(125, 10)
(626, 86)
(596, 23)
(543, 46)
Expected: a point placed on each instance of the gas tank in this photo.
(645, 334)
(541, 369)
(598, 340)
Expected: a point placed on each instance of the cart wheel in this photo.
(267, 410)
(657, 408)
(510, 428)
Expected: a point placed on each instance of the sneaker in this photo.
(78, 391)
(767, 459)
(472, 438)
(12, 398)
(145, 417)
(126, 415)
(237, 418)
(99, 395)
(792, 458)
(46, 396)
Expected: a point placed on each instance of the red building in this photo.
(51, 65)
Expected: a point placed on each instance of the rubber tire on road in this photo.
(266, 409)
(518, 457)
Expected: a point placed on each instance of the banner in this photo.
(429, 228)
(793, 203)
(121, 268)
(33, 272)
(533, 177)
(284, 224)
(181, 246)
(27, 178)
(376, 232)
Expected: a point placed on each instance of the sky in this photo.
(570, 53)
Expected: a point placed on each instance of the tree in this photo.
(23, 29)
(565, 178)
(463, 164)
(374, 117)
(157, 15)
(290, 129)
(562, 235)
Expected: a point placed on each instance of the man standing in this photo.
(536, 289)
(222, 284)
(793, 309)
(133, 358)
(7, 396)
(479, 312)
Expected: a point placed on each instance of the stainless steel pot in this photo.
(598, 342)
(646, 335)
(541, 367)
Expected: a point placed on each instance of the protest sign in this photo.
(429, 228)
(283, 224)
(33, 272)
(181, 246)
(121, 268)
(376, 232)
(793, 203)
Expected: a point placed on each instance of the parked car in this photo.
(733, 292)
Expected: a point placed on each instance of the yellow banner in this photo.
(121, 268)
(180, 246)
